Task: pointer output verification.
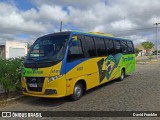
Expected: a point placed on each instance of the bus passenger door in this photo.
(75, 63)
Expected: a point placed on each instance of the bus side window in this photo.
(75, 51)
(100, 47)
(117, 46)
(109, 46)
(124, 46)
(89, 47)
(130, 47)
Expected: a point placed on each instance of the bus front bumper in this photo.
(43, 95)
(53, 89)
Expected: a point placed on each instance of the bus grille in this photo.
(35, 83)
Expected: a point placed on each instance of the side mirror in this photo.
(74, 41)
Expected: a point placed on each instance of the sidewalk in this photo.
(1, 89)
(11, 97)
(146, 59)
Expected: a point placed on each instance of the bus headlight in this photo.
(54, 78)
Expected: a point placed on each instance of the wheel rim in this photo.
(77, 91)
(122, 75)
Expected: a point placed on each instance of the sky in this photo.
(26, 20)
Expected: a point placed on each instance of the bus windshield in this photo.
(50, 49)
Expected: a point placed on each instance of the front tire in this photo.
(77, 92)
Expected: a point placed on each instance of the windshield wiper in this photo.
(41, 59)
(30, 59)
(45, 59)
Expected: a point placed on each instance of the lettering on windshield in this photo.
(46, 42)
(34, 72)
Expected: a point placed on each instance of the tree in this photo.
(137, 51)
(147, 45)
(10, 74)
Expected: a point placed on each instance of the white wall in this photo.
(15, 46)
(142, 53)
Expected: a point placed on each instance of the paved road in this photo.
(140, 91)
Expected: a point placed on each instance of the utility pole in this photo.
(157, 37)
(61, 26)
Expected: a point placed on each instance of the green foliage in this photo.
(147, 45)
(10, 74)
(137, 51)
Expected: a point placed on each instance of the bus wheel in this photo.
(121, 78)
(77, 92)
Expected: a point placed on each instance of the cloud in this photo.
(137, 39)
(54, 13)
(123, 25)
(120, 17)
(12, 21)
(32, 22)
(81, 4)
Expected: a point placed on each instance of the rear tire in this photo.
(121, 78)
(77, 92)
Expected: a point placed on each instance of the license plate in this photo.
(32, 85)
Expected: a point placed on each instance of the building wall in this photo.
(15, 49)
(142, 53)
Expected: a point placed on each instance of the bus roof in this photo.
(110, 36)
(99, 35)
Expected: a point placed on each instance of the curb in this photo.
(11, 99)
(142, 63)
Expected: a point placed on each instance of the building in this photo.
(2, 51)
(12, 49)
